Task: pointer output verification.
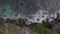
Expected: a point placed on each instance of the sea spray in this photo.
(38, 17)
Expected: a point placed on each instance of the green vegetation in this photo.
(39, 28)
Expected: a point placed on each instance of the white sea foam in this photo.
(38, 17)
(42, 15)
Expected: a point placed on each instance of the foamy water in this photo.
(43, 15)
(38, 17)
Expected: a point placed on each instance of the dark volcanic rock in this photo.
(21, 22)
(7, 20)
(47, 24)
(2, 21)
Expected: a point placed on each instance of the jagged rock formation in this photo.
(54, 24)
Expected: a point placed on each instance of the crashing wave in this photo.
(38, 17)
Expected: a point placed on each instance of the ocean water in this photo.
(34, 10)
